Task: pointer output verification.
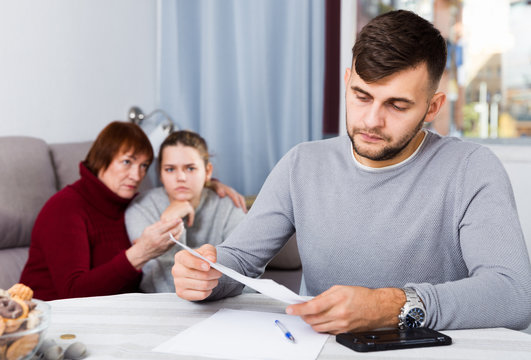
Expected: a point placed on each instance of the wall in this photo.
(68, 68)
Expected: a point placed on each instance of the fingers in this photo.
(243, 205)
(166, 226)
(209, 251)
(315, 314)
(331, 311)
(317, 305)
(176, 231)
(193, 277)
(237, 198)
(179, 209)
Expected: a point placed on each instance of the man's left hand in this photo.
(348, 308)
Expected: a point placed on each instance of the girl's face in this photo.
(183, 173)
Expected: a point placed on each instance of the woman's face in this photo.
(125, 173)
(183, 173)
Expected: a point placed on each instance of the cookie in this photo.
(24, 305)
(3, 348)
(22, 291)
(22, 347)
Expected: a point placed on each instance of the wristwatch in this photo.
(413, 313)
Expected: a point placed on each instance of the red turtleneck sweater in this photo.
(78, 244)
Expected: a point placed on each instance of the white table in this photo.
(128, 326)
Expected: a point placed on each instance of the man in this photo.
(396, 225)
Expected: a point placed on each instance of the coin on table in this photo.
(67, 336)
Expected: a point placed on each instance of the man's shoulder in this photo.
(455, 146)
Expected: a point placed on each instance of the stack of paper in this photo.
(238, 334)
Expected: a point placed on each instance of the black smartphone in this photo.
(378, 340)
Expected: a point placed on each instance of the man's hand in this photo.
(194, 279)
(224, 190)
(347, 308)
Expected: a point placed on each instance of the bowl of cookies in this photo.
(23, 323)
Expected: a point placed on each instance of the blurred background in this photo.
(254, 78)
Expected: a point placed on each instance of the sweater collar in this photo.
(99, 195)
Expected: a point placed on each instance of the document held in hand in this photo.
(267, 287)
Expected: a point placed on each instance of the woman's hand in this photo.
(224, 190)
(154, 241)
(178, 210)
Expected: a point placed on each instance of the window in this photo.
(488, 74)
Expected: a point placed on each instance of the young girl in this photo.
(185, 168)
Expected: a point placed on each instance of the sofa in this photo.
(32, 171)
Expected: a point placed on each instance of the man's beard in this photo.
(388, 152)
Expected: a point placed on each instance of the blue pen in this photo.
(285, 331)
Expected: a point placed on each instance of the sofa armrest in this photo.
(12, 262)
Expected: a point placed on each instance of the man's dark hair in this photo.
(396, 41)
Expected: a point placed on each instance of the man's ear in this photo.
(436, 102)
(346, 77)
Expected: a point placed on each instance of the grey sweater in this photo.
(215, 218)
(443, 221)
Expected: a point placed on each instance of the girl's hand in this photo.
(178, 210)
(224, 190)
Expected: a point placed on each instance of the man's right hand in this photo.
(194, 279)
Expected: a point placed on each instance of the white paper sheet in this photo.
(239, 334)
(267, 287)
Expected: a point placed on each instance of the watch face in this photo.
(415, 318)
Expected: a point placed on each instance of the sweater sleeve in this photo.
(262, 232)
(63, 232)
(497, 291)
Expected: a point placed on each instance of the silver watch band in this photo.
(412, 301)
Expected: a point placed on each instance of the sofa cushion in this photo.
(27, 181)
(66, 158)
(12, 262)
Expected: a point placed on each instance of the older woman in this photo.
(79, 244)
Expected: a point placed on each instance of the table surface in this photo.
(129, 326)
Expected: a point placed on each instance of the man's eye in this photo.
(362, 98)
(190, 168)
(398, 108)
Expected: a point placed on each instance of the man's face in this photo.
(384, 117)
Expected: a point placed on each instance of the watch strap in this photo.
(412, 301)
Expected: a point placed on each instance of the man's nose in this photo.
(375, 117)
